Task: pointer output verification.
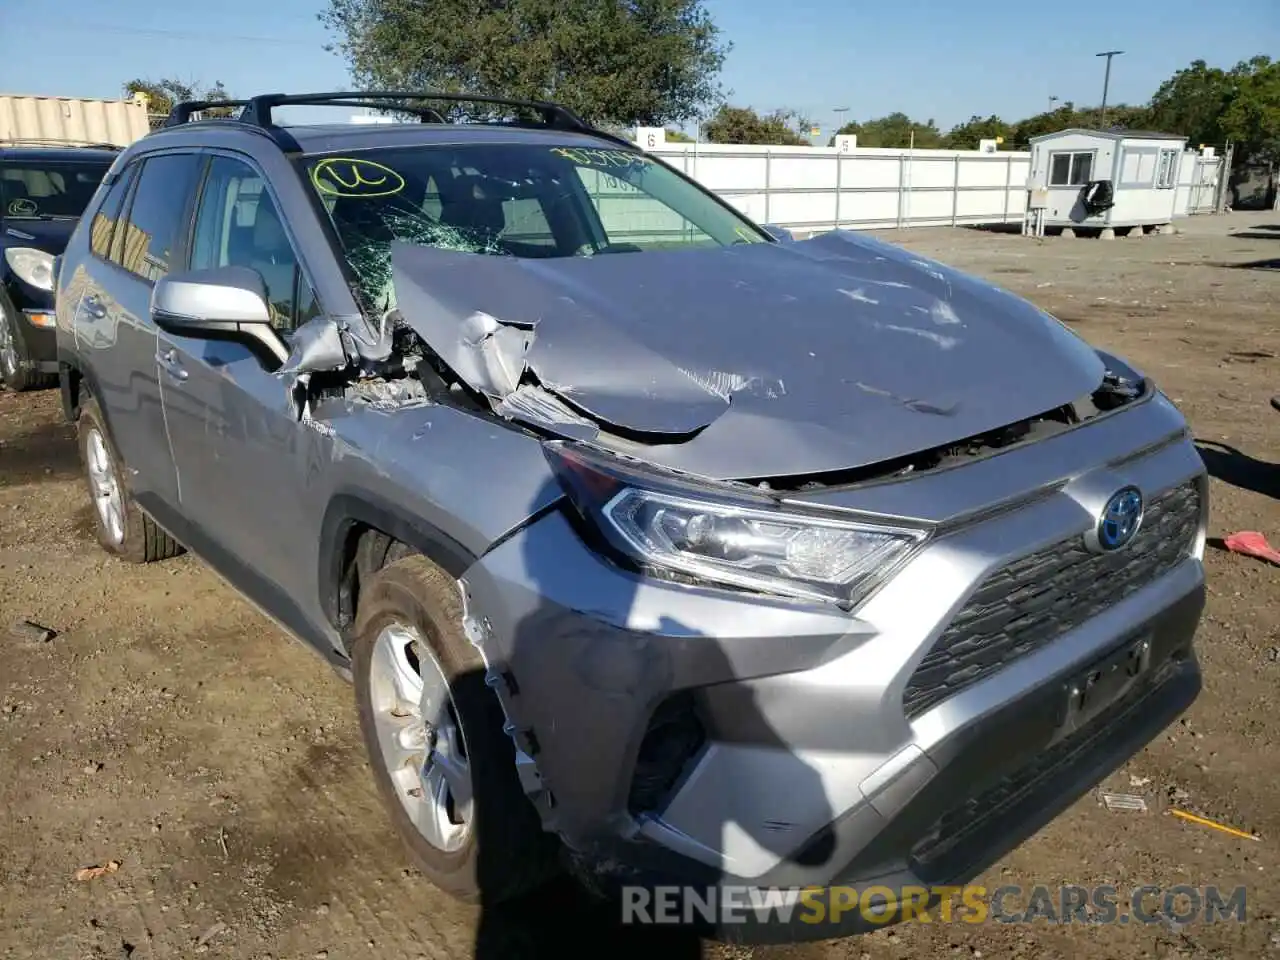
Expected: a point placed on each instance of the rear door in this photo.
(243, 457)
(135, 239)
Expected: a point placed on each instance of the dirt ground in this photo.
(172, 729)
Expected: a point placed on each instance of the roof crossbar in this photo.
(181, 112)
(553, 115)
(425, 114)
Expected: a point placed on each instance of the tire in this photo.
(17, 371)
(123, 530)
(502, 852)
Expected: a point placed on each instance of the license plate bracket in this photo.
(1103, 683)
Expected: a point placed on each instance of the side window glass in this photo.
(158, 214)
(103, 225)
(238, 225)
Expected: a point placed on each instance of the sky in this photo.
(931, 59)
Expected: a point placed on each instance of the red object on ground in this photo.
(1253, 544)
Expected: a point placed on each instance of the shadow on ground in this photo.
(1229, 465)
(43, 452)
(563, 920)
(1272, 264)
(994, 227)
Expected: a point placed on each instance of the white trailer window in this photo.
(1070, 169)
(1167, 170)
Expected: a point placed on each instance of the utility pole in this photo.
(839, 112)
(1106, 81)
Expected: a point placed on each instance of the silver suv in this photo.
(656, 543)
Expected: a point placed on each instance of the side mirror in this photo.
(781, 234)
(222, 303)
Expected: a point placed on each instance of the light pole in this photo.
(839, 112)
(1106, 81)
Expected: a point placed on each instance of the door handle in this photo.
(169, 360)
(94, 306)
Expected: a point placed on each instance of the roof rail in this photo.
(57, 142)
(258, 109)
(181, 112)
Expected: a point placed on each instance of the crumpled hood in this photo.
(758, 360)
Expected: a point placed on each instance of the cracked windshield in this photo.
(514, 200)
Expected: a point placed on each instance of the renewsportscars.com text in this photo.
(971, 904)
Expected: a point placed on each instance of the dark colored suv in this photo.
(43, 191)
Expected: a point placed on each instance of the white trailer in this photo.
(1143, 170)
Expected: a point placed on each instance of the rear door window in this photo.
(159, 214)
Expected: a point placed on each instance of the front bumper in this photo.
(40, 336)
(33, 312)
(676, 735)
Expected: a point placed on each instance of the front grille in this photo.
(1036, 599)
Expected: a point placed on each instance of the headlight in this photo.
(32, 266)
(672, 528)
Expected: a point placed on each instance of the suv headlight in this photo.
(32, 266)
(666, 526)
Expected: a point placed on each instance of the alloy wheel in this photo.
(105, 485)
(421, 737)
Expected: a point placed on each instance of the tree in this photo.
(966, 136)
(744, 125)
(1252, 117)
(1210, 105)
(1068, 115)
(895, 130)
(643, 62)
(163, 94)
(678, 136)
(1192, 103)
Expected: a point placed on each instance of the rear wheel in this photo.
(122, 528)
(434, 733)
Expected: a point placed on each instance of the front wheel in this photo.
(434, 734)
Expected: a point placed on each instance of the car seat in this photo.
(271, 254)
(470, 205)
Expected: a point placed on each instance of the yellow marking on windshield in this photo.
(593, 157)
(354, 177)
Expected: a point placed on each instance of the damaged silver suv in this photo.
(657, 546)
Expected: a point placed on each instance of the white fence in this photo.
(813, 189)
